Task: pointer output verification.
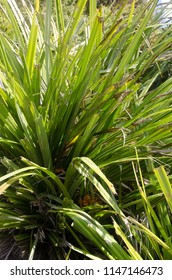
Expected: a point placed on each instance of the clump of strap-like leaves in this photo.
(85, 125)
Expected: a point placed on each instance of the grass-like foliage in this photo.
(85, 127)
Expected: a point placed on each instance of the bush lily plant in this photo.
(85, 129)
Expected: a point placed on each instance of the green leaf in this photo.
(95, 232)
(31, 51)
(165, 184)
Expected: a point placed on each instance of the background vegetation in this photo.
(85, 132)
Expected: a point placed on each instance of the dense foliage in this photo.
(85, 133)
